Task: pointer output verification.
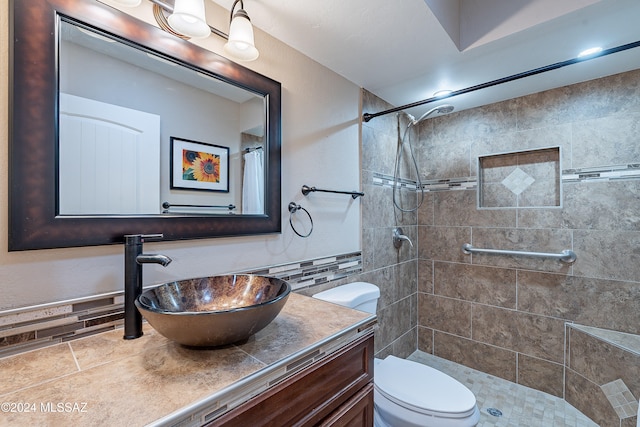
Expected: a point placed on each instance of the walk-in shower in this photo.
(404, 141)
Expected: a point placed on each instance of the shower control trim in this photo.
(398, 238)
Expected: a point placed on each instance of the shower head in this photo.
(445, 109)
(440, 109)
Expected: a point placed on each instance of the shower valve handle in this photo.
(398, 238)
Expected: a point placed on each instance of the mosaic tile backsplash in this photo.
(34, 327)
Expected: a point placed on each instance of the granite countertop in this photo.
(106, 380)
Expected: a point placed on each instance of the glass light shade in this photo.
(241, 45)
(129, 3)
(188, 18)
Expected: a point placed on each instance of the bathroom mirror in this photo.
(120, 128)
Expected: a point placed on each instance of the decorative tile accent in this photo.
(428, 185)
(314, 272)
(29, 328)
(518, 181)
(388, 181)
(450, 184)
(604, 173)
(35, 327)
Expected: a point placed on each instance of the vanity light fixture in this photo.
(187, 19)
(241, 44)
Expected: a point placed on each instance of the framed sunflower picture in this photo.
(199, 166)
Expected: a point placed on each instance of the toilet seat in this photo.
(423, 389)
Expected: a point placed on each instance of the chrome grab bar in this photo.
(566, 256)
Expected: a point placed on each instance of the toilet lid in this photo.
(422, 388)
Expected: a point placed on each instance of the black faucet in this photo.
(133, 260)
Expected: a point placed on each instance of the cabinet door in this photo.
(311, 395)
(357, 412)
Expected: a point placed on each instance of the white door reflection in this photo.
(109, 159)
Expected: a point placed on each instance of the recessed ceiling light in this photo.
(441, 93)
(589, 52)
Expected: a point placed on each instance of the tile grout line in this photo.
(73, 354)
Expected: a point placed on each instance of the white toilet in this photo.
(406, 393)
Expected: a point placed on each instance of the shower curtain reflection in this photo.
(253, 183)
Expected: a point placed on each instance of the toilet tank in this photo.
(358, 295)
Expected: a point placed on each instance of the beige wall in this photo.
(320, 146)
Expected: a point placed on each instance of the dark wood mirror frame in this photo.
(33, 97)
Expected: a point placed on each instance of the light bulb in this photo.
(189, 19)
(241, 45)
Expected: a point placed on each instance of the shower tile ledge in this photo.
(625, 341)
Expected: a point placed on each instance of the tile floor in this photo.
(520, 405)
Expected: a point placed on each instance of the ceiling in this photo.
(404, 51)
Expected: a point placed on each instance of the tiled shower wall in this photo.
(506, 315)
(393, 270)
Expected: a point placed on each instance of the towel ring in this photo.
(293, 208)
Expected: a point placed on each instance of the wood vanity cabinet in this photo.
(334, 391)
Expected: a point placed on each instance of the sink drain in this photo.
(494, 412)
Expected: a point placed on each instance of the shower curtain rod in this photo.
(368, 116)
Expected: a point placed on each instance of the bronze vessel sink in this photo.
(213, 311)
